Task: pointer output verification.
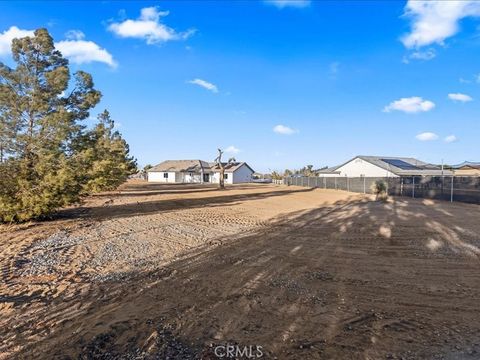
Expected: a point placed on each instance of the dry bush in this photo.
(380, 189)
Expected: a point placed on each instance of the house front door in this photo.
(206, 177)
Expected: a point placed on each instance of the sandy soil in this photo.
(157, 271)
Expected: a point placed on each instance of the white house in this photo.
(199, 171)
(383, 166)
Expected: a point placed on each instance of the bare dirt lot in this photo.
(171, 271)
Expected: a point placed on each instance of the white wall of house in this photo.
(160, 177)
(192, 178)
(215, 178)
(358, 167)
(242, 175)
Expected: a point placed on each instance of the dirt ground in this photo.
(172, 271)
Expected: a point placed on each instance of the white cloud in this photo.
(82, 51)
(75, 49)
(284, 130)
(232, 150)
(450, 138)
(460, 97)
(148, 27)
(427, 136)
(433, 21)
(412, 104)
(205, 84)
(8, 35)
(289, 3)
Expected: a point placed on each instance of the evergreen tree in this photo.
(40, 129)
(106, 156)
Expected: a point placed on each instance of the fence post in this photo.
(335, 182)
(348, 185)
(401, 186)
(364, 189)
(451, 190)
(413, 187)
(324, 182)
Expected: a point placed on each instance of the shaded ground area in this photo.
(156, 271)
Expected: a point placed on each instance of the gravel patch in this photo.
(44, 257)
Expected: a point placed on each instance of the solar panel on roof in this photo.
(401, 164)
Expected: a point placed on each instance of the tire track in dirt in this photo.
(317, 274)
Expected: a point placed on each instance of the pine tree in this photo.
(106, 156)
(40, 127)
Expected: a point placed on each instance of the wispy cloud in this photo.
(333, 68)
(426, 55)
(232, 150)
(450, 138)
(148, 27)
(427, 136)
(433, 21)
(8, 35)
(204, 84)
(284, 130)
(74, 35)
(289, 3)
(412, 104)
(75, 48)
(460, 97)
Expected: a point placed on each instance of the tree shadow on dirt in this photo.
(169, 189)
(357, 279)
(150, 207)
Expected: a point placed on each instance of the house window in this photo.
(225, 176)
(165, 175)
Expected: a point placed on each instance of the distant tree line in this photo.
(48, 158)
(304, 171)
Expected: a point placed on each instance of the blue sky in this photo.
(278, 83)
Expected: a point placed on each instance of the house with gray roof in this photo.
(384, 166)
(199, 171)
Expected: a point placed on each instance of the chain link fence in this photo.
(450, 188)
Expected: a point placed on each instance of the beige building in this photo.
(467, 168)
